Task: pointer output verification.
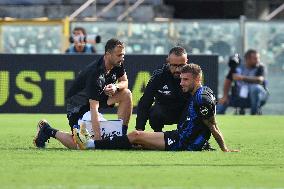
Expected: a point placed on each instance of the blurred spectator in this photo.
(79, 42)
(249, 84)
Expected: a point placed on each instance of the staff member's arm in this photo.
(94, 91)
(110, 89)
(94, 108)
(145, 104)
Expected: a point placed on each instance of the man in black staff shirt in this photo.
(94, 88)
(165, 91)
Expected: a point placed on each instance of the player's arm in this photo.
(94, 108)
(212, 125)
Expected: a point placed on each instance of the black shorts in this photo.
(103, 102)
(171, 139)
(73, 119)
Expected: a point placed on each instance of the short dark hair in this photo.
(178, 51)
(194, 69)
(112, 43)
(80, 29)
(249, 53)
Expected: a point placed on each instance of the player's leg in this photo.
(83, 139)
(148, 140)
(157, 117)
(124, 100)
(66, 139)
(45, 132)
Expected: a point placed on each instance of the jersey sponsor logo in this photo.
(204, 110)
(165, 92)
(170, 141)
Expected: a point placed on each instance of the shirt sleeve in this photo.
(207, 107)
(145, 103)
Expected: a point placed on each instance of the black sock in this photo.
(120, 142)
(51, 132)
(124, 129)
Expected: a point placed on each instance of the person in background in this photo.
(80, 44)
(250, 84)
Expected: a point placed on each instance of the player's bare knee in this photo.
(126, 93)
(134, 136)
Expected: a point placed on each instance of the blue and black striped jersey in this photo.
(202, 105)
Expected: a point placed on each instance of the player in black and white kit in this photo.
(165, 91)
(94, 88)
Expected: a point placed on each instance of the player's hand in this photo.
(110, 89)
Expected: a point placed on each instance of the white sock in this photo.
(91, 143)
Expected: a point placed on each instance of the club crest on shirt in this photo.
(165, 87)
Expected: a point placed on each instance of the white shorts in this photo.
(109, 128)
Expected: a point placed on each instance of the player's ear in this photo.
(107, 53)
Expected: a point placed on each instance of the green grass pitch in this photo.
(259, 164)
